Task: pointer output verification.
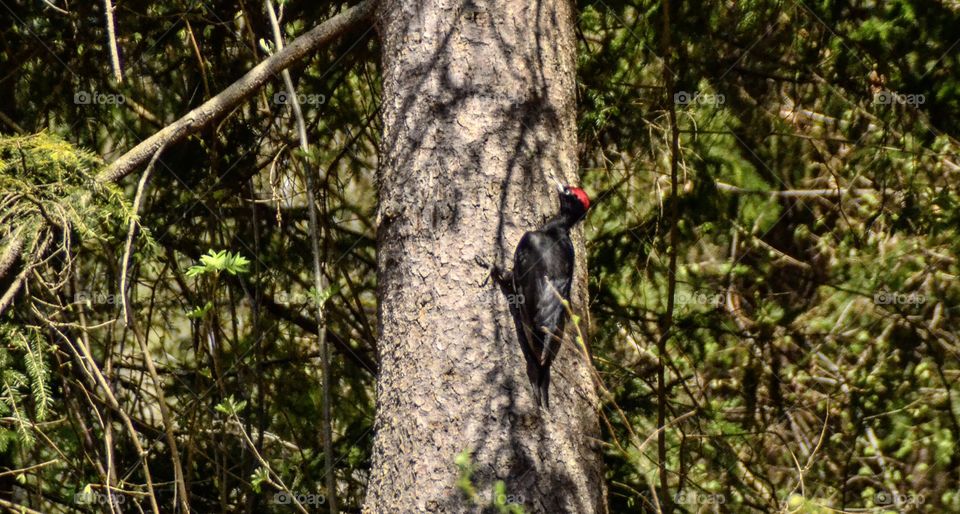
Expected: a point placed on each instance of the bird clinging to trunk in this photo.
(539, 285)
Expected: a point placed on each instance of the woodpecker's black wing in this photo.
(543, 268)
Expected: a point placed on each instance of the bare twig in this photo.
(240, 90)
(7, 299)
(141, 338)
(798, 193)
(275, 479)
(13, 507)
(112, 42)
(111, 399)
(12, 124)
(319, 280)
(28, 468)
(132, 230)
(665, 333)
(182, 496)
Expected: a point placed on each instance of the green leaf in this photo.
(230, 406)
(326, 294)
(200, 312)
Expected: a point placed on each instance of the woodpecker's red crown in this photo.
(580, 194)
(573, 200)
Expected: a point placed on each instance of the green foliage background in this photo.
(814, 355)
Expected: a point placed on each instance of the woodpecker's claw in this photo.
(479, 260)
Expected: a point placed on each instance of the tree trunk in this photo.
(479, 112)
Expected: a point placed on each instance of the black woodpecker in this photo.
(540, 283)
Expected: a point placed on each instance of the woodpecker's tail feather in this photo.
(538, 365)
(535, 374)
(544, 389)
(539, 383)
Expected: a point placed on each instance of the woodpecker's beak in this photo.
(560, 187)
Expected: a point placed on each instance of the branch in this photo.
(7, 299)
(666, 505)
(15, 507)
(12, 124)
(11, 253)
(131, 234)
(319, 281)
(112, 42)
(239, 91)
(359, 358)
(798, 193)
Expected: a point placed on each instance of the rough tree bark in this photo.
(479, 113)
